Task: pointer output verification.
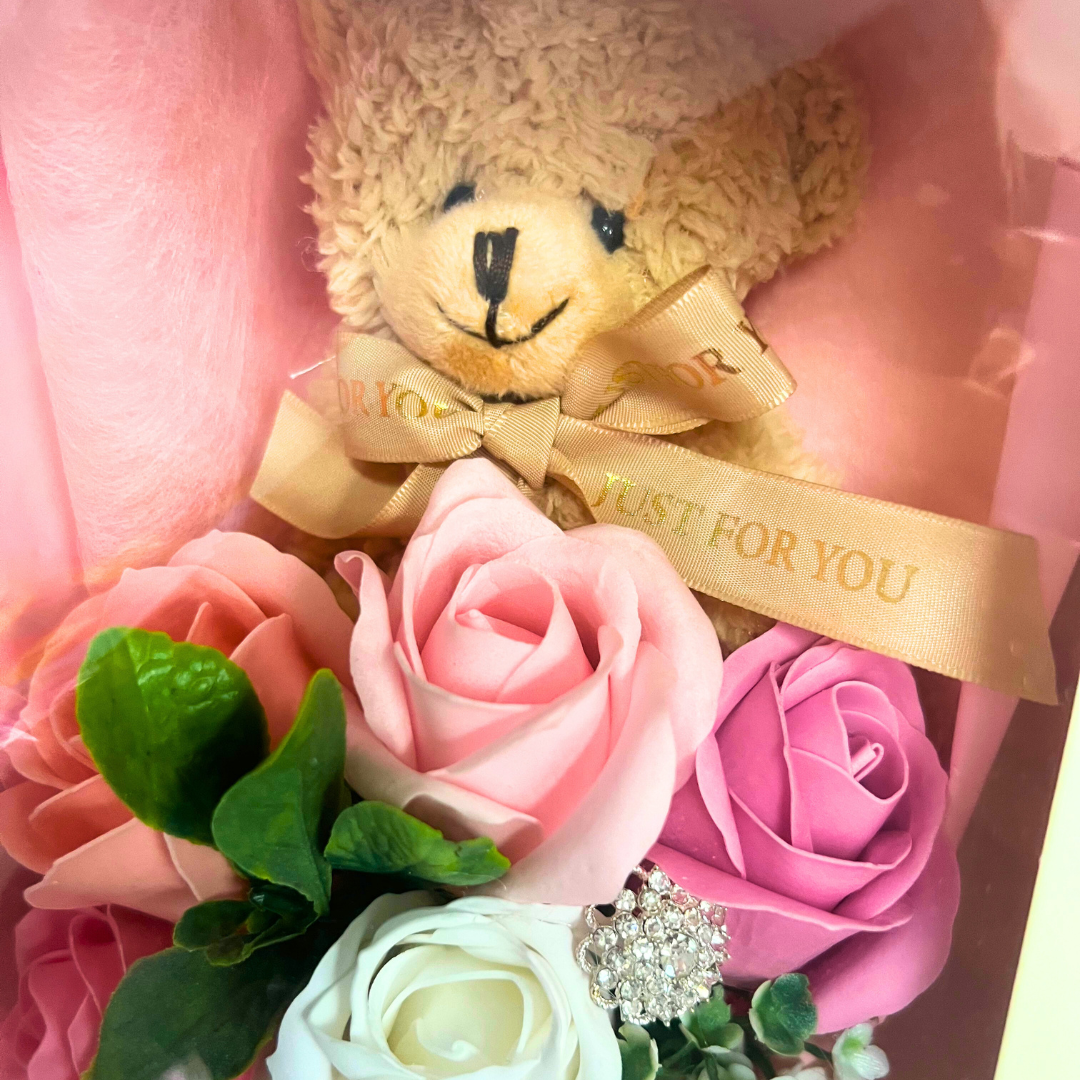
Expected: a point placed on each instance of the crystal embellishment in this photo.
(659, 955)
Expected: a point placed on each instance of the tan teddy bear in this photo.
(497, 181)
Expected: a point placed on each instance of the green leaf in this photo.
(783, 1014)
(207, 923)
(707, 1025)
(231, 930)
(639, 1057)
(374, 838)
(171, 726)
(273, 822)
(177, 1009)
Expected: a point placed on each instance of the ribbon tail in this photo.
(942, 594)
(307, 479)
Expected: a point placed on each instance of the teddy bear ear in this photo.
(774, 174)
(325, 24)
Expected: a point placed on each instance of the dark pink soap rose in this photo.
(69, 963)
(814, 815)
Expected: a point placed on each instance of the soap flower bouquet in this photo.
(520, 816)
(499, 808)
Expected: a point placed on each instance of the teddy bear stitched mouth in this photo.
(493, 339)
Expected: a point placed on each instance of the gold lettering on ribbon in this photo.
(850, 569)
(883, 577)
(718, 361)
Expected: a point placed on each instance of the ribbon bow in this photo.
(939, 593)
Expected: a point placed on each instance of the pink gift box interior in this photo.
(156, 293)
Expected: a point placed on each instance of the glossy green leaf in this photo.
(783, 1014)
(273, 822)
(171, 726)
(374, 838)
(638, 1052)
(231, 930)
(175, 1009)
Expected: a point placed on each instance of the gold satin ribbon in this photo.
(942, 594)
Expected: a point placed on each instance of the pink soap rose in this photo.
(69, 963)
(814, 814)
(275, 617)
(546, 689)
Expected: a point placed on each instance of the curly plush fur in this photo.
(663, 110)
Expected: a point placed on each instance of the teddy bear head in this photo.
(496, 181)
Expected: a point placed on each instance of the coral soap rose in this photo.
(546, 689)
(814, 815)
(275, 617)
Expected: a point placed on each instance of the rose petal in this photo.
(920, 814)
(38, 752)
(280, 585)
(375, 673)
(17, 836)
(450, 727)
(130, 865)
(206, 872)
(752, 740)
(841, 816)
(95, 951)
(770, 934)
(475, 515)
(834, 663)
(815, 879)
(546, 763)
(705, 830)
(507, 636)
(879, 974)
(57, 992)
(278, 669)
(616, 823)
(76, 815)
(168, 599)
(214, 630)
(375, 773)
(672, 621)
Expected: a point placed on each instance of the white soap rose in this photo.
(478, 987)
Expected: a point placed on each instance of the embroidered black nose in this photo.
(493, 255)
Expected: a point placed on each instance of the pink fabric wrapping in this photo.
(154, 149)
(39, 561)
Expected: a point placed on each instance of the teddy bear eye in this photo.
(609, 226)
(459, 193)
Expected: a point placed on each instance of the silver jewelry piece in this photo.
(659, 955)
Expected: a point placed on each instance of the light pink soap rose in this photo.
(275, 617)
(814, 814)
(68, 964)
(542, 688)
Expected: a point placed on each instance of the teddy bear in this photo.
(497, 181)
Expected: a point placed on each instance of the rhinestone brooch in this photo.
(658, 955)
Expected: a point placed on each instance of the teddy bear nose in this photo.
(493, 255)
